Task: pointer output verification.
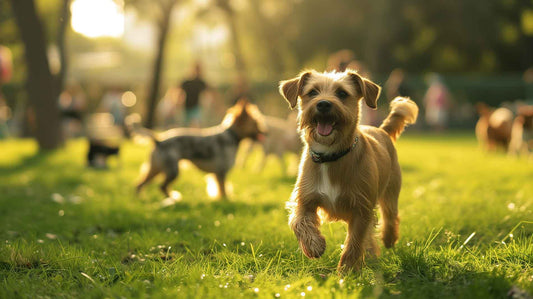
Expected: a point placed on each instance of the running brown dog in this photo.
(345, 168)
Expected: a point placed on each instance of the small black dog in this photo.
(99, 152)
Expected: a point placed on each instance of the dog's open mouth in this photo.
(325, 127)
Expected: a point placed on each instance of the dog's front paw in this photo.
(313, 246)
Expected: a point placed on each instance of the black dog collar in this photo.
(323, 158)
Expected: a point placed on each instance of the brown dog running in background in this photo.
(213, 150)
(345, 168)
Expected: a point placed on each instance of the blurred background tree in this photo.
(160, 11)
(43, 89)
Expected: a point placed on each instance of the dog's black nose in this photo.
(323, 106)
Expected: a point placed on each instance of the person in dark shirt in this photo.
(191, 91)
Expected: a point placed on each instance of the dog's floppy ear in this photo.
(369, 90)
(291, 89)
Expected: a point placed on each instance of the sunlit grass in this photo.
(69, 231)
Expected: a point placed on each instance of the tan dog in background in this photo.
(345, 168)
(282, 138)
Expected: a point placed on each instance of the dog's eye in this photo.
(341, 94)
(312, 93)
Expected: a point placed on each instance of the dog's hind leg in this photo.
(389, 212)
(150, 171)
(372, 247)
(261, 166)
(221, 182)
(171, 173)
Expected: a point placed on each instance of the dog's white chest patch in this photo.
(325, 185)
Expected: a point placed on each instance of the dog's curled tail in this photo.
(403, 112)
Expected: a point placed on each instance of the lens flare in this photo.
(98, 18)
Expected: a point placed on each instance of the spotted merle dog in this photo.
(212, 150)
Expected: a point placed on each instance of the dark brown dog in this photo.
(522, 132)
(493, 129)
(345, 169)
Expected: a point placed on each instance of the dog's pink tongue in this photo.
(324, 129)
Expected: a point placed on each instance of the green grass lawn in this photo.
(69, 231)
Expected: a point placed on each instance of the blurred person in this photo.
(395, 85)
(112, 103)
(369, 116)
(5, 115)
(528, 80)
(241, 90)
(340, 60)
(6, 65)
(437, 103)
(168, 109)
(6, 71)
(213, 108)
(191, 89)
(360, 67)
(72, 104)
(344, 59)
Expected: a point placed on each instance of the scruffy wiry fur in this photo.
(349, 188)
(212, 150)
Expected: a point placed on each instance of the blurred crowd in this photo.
(194, 102)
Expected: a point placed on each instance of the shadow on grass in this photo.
(428, 280)
(225, 207)
(28, 162)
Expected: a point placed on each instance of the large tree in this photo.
(229, 14)
(62, 29)
(161, 12)
(40, 81)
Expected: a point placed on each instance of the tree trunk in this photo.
(235, 41)
(268, 30)
(40, 85)
(64, 22)
(158, 64)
